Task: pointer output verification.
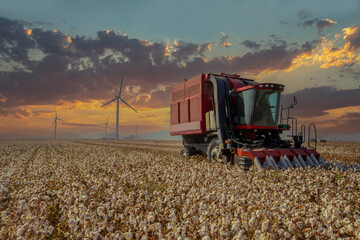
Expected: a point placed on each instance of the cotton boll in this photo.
(235, 226)
(265, 226)
(151, 217)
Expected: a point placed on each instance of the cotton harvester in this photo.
(237, 120)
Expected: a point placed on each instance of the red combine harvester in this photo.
(238, 120)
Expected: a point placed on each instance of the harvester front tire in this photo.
(213, 151)
(186, 152)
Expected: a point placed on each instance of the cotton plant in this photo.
(108, 190)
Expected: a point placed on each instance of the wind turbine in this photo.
(117, 98)
(55, 122)
(106, 125)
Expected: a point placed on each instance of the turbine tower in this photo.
(55, 123)
(106, 126)
(117, 98)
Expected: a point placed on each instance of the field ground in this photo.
(143, 190)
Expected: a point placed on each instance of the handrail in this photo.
(309, 137)
(303, 132)
(293, 129)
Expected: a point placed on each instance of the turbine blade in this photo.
(122, 78)
(127, 104)
(107, 119)
(53, 123)
(108, 125)
(108, 102)
(60, 119)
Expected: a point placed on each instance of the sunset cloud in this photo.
(251, 44)
(334, 53)
(81, 73)
(320, 24)
(223, 40)
(184, 50)
(311, 105)
(338, 120)
(352, 36)
(84, 69)
(333, 111)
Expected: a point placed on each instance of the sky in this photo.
(70, 55)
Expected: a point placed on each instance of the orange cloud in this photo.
(167, 49)
(28, 31)
(225, 44)
(336, 120)
(68, 39)
(224, 38)
(330, 54)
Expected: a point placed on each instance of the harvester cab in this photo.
(237, 120)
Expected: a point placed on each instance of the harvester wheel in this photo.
(186, 152)
(213, 151)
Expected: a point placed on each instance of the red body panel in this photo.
(254, 127)
(300, 152)
(273, 153)
(252, 154)
(312, 151)
(286, 152)
(190, 102)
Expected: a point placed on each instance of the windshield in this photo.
(245, 102)
(258, 107)
(266, 111)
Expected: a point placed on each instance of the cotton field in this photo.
(143, 190)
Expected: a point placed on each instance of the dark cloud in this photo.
(53, 64)
(347, 124)
(354, 74)
(251, 44)
(83, 69)
(313, 102)
(14, 41)
(353, 37)
(275, 41)
(282, 22)
(184, 50)
(15, 112)
(308, 23)
(320, 24)
(303, 14)
(52, 42)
